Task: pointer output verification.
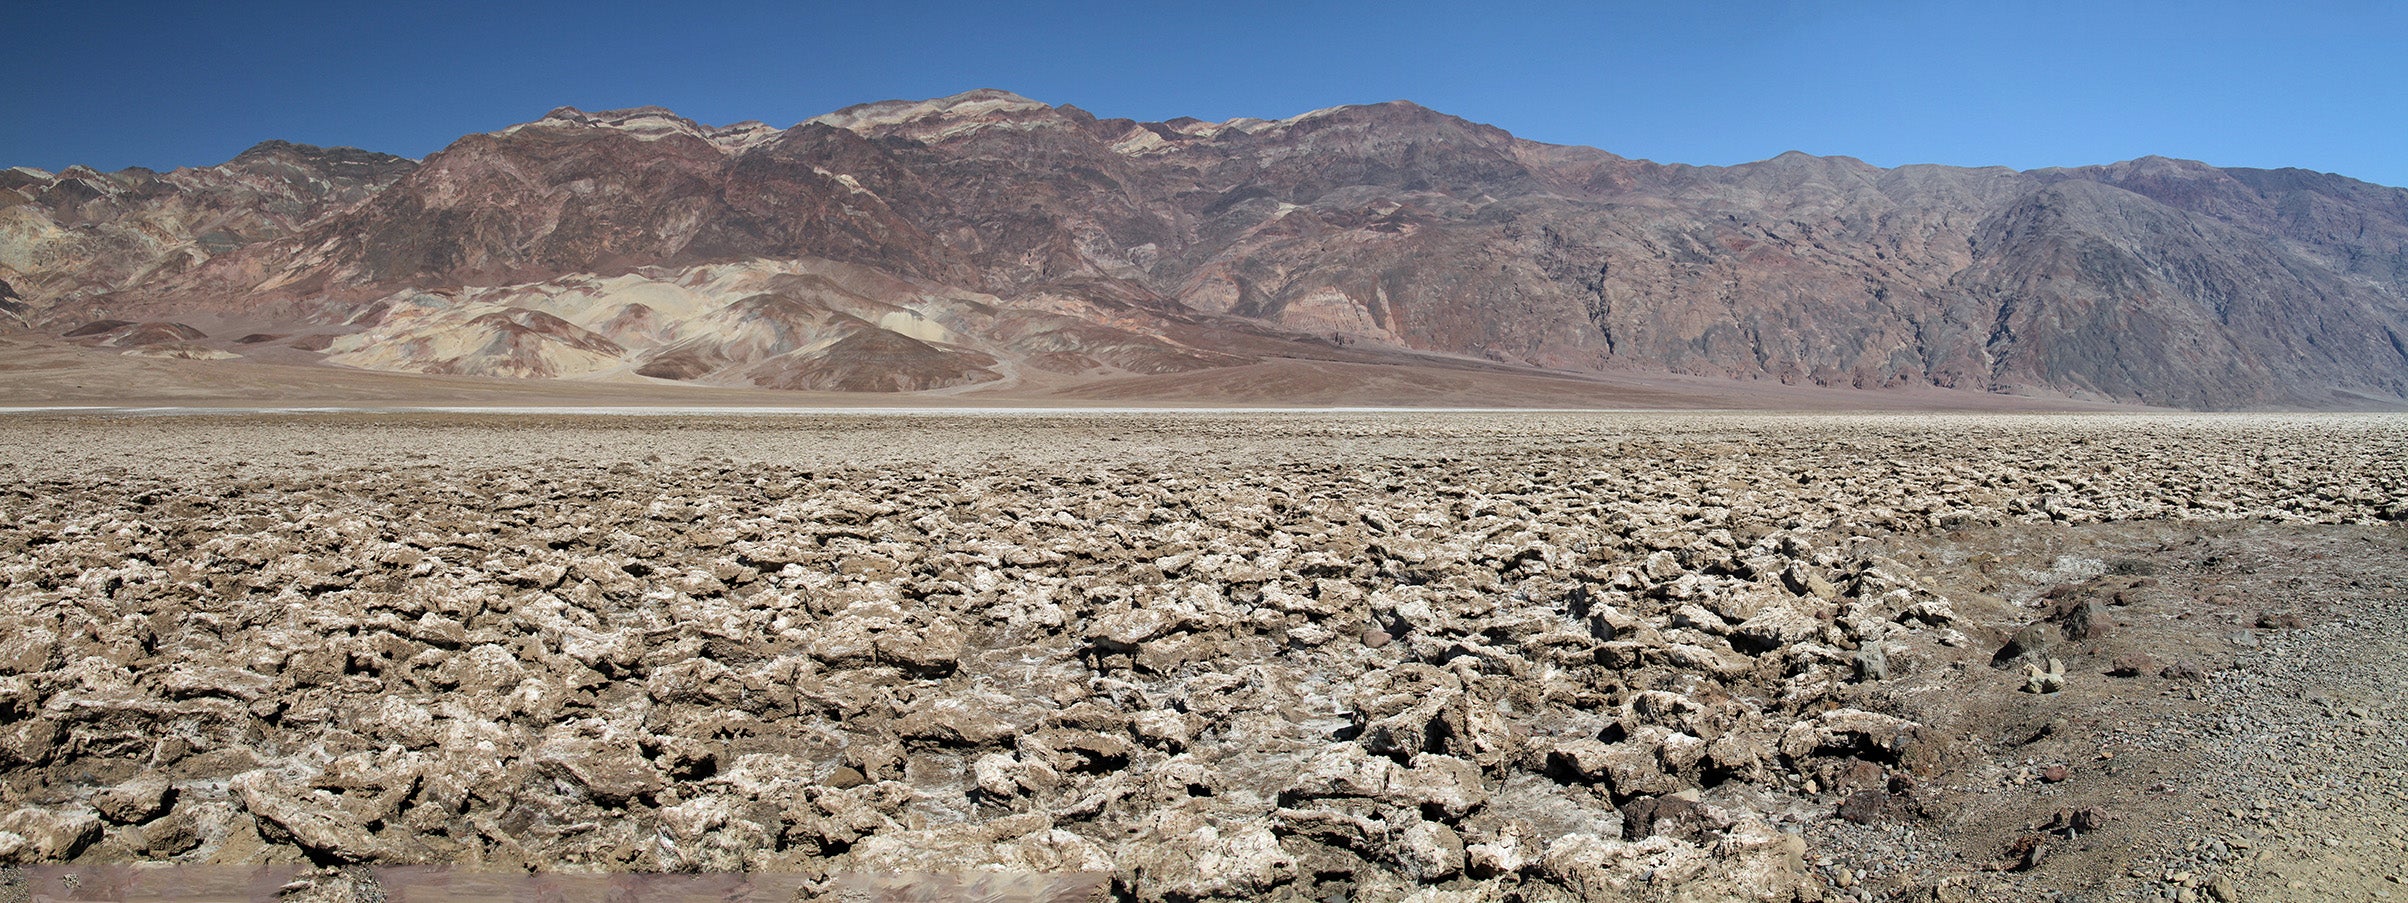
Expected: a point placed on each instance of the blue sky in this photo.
(2321, 84)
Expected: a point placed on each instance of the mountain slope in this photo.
(80, 233)
(1044, 243)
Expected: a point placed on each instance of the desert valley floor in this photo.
(1169, 656)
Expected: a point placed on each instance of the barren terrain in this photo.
(991, 243)
(37, 371)
(1187, 656)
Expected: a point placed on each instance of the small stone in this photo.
(846, 777)
(2089, 818)
(1375, 638)
(955, 721)
(2284, 620)
(2054, 773)
(2037, 679)
(2027, 852)
(2133, 664)
(930, 651)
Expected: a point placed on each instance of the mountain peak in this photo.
(273, 147)
(648, 122)
(1388, 110)
(2155, 164)
(937, 118)
(275, 152)
(651, 123)
(988, 94)
(277, 147)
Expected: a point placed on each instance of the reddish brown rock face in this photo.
(84, 234)
(1378, 230)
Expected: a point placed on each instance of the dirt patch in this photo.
(2199, 746)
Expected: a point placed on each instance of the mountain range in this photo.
(991, 245)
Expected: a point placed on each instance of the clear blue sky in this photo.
(2321, 84)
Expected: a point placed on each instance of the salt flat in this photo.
(1194, 654)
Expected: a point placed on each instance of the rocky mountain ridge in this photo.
(987, 242)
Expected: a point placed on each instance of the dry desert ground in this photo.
(1175, 656)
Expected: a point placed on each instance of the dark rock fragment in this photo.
(2132, 664)
(1863, 806)
(2031, 642)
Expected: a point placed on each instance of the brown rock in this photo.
(2032, 643)
(2082, 821)
(1627, 769)
(327, 825)
(49, 835)
(2087, 622)
(930, 651)
(611, 773)
(1126, 629)
(2027, 852)
(26, 648)
(1448, 786)
(955, 721)
(145, 797)
(1430, 851)
(1669, 816)
(1856, 774)
(846, 777)
(174, 835)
